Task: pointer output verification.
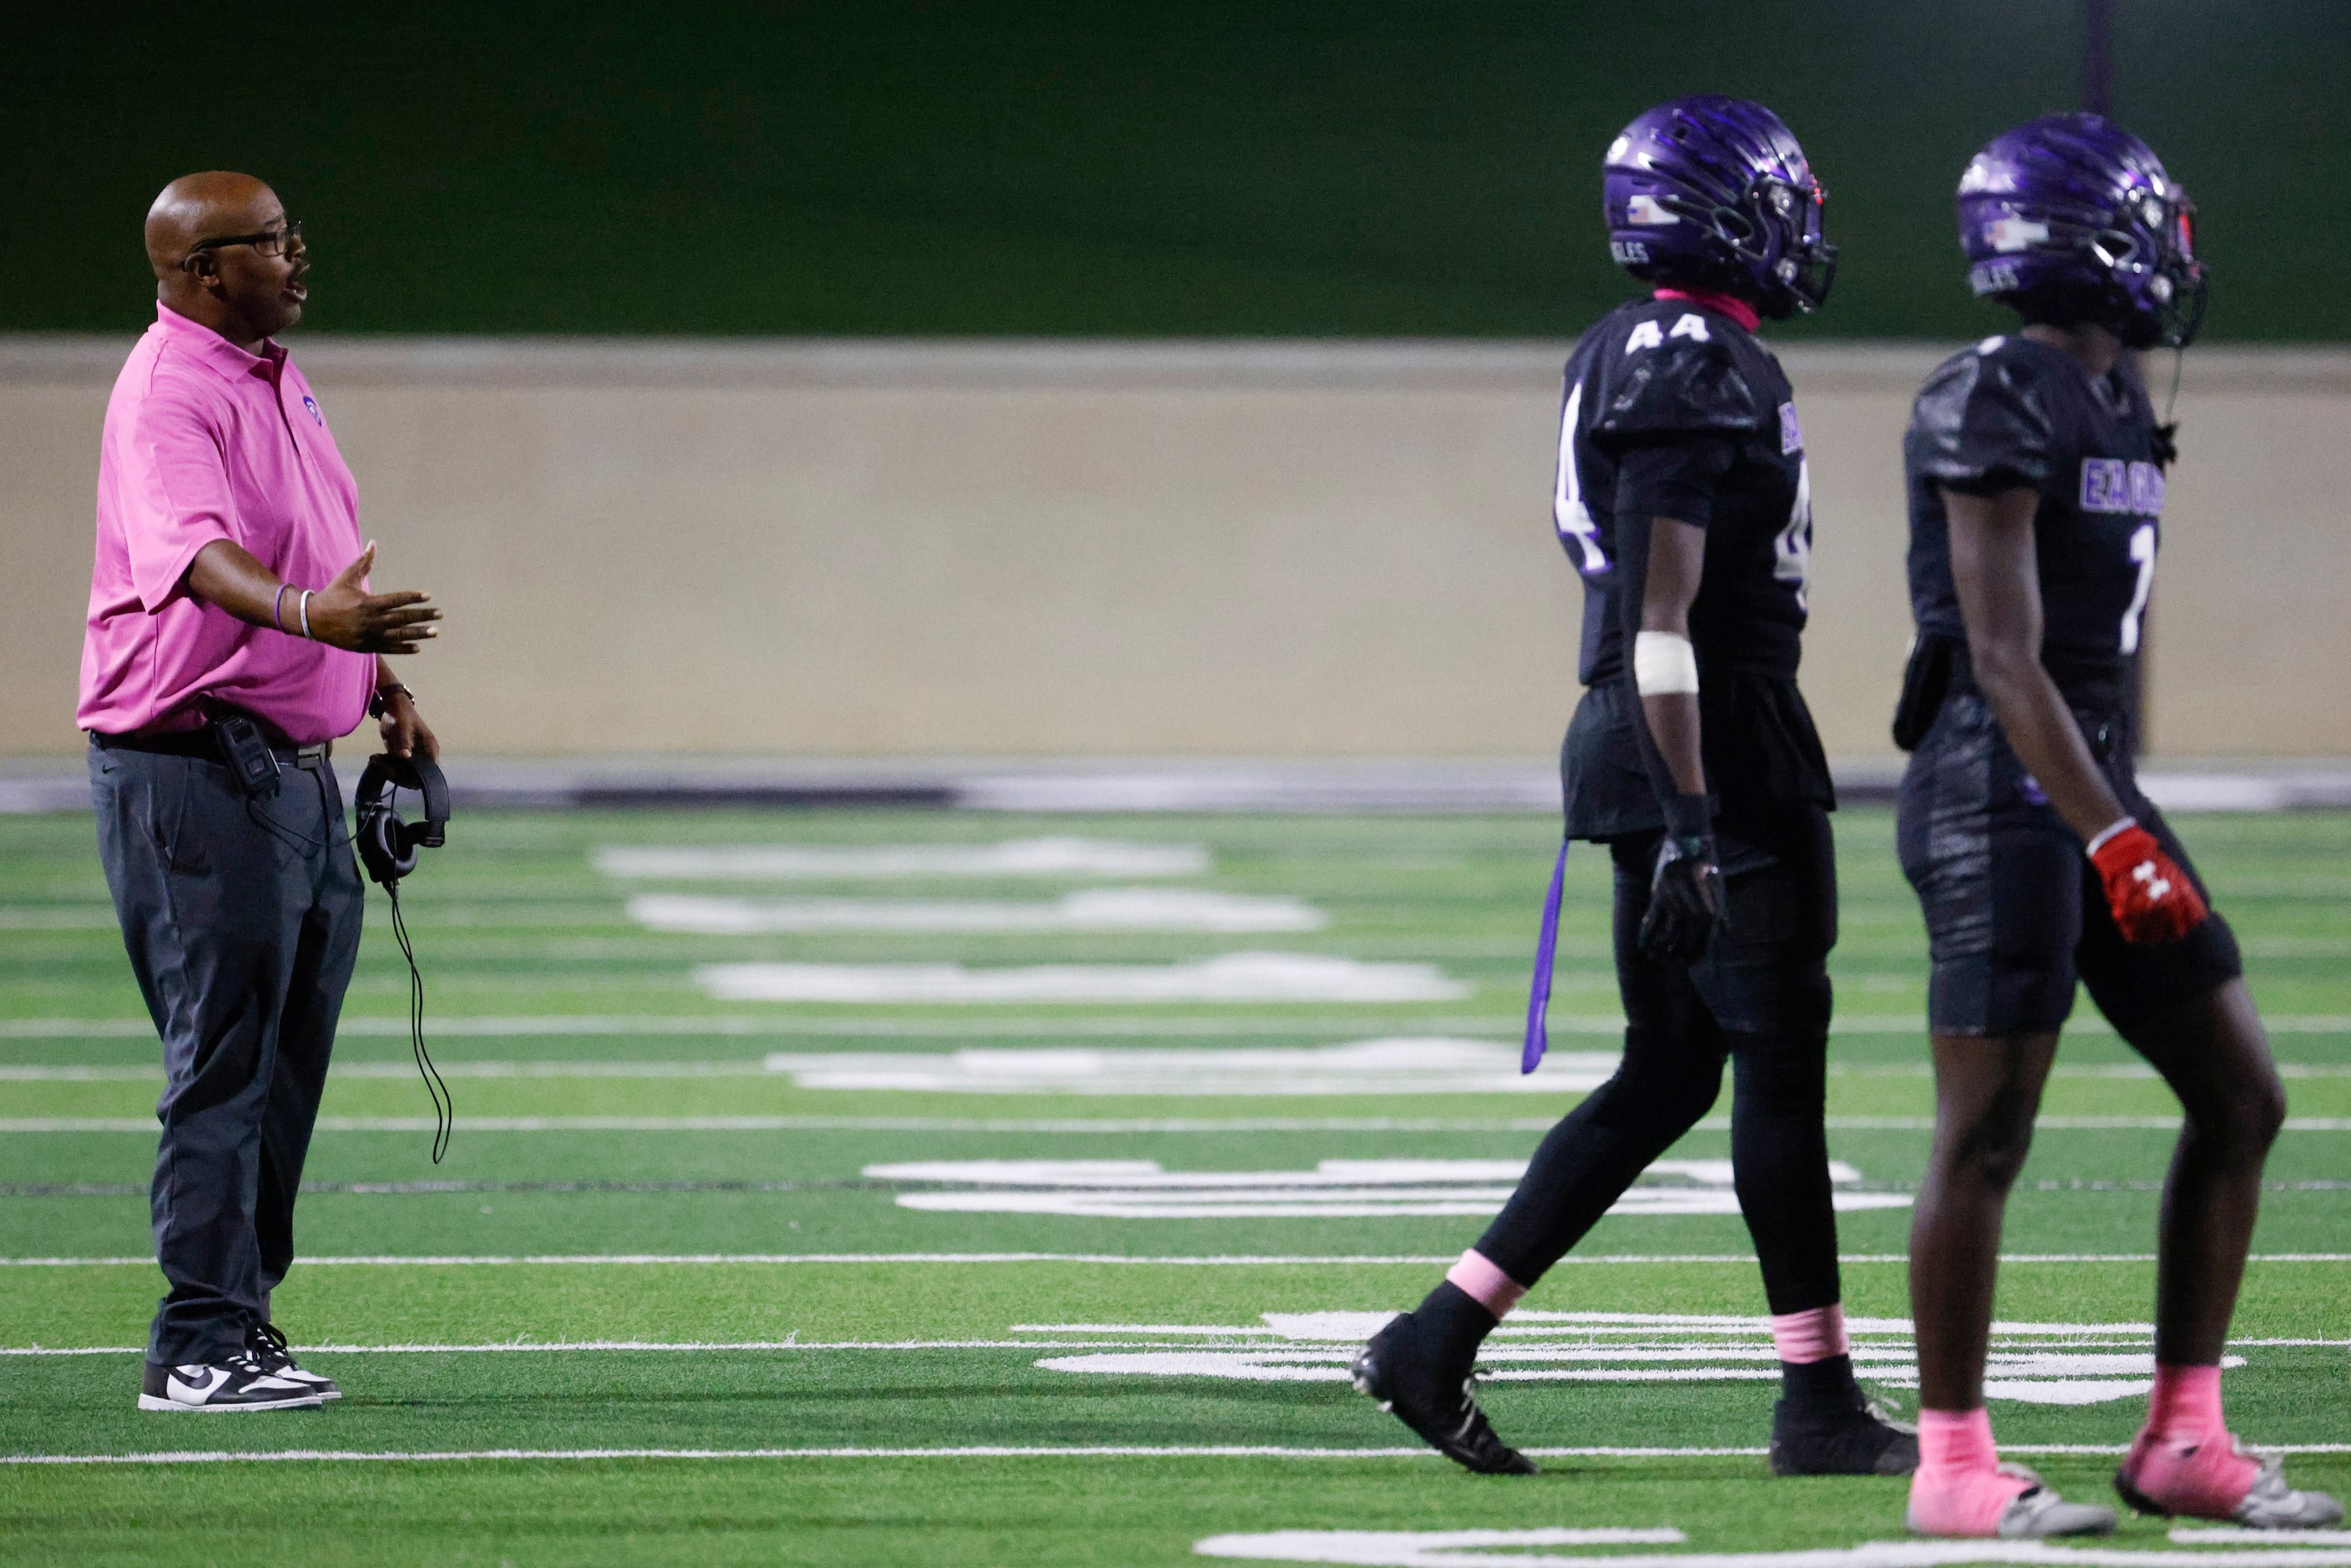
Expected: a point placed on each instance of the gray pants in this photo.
(242, 919)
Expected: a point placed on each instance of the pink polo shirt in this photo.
(206, 442)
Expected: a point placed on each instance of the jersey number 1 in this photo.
(1567, 512)
(2142, 550)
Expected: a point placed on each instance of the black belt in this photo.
(203, 746)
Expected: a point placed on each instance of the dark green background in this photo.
(880, 166)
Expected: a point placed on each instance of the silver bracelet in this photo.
(306, 615)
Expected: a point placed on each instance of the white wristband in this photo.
(2100, 841)
(306, 615)
(1664, 665)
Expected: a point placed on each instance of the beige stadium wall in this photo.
(1266, 550)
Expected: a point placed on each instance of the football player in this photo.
(1683, 501)
(2035, 469)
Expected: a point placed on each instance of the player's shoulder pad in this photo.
(1674, 371)
(1986, 410)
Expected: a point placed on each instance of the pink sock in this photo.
(2185, 1404)
(2184, 1461)
(1959, 1488)
(1478, 1277)
(1809, 1336)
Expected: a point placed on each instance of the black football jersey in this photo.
(1673, 387)
(2011, 413)
(1661, 371)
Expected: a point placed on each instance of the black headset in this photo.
(387, 844)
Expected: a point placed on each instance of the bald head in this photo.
(234, 289)
(206, 206)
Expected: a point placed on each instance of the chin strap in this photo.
(1546, 949)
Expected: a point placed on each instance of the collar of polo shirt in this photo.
(224, 358)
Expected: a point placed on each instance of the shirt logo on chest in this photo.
(312, 405)
(2111, 485)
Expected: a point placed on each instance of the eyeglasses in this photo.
(268, 242)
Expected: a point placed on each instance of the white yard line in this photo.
(1047, 857)
(358, 1025)
(1199, 1339)
(1227, 978)
(763, 1025)
(1107, 909)
(1400, 1065)
(1435, 1065)
(1236, 1260)
(1202, 1451)
(1171, 1124)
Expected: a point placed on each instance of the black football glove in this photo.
(1688, 909)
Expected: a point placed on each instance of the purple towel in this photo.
(1546, 947)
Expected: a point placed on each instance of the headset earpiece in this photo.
(387, 845)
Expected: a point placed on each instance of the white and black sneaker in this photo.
(240, 1383)
(268, 1346)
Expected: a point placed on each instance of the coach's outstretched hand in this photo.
(347, 615)
(1688, 909)
(2152, 898)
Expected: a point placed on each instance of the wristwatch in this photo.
(381, 698)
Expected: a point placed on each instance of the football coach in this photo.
(231, 638)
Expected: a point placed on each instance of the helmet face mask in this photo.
(2070, 217)
(1714, 192)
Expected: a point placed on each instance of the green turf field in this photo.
(1003, 1282)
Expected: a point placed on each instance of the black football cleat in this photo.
(268, 1346)
(1441, 1409)
(1853, 1441)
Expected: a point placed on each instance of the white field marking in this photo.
(1471, 1548)
(302, 1456)
(1400, 1065)
(2189, 1536)
(985, 1070)
(727, 1024)
(1215, 1336)
(781, 1025)
(1240, 1261)
(1228, 978)
(2036, 1363)
(1051, 857)
(565, 1346)
(1140, 1189)
(1227, 1451)
(1072, 1125)
(1355, 1327)
(69, 1073)
(1098, 909)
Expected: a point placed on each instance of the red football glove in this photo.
(2151, 897)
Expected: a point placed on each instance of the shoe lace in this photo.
(268, 1346)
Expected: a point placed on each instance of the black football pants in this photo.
(1760, 1000)
(242, 920)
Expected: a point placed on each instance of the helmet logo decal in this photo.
(2011, 233)
(1648, 210)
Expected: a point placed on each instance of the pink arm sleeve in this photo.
(175, 494)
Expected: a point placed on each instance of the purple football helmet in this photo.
(2074, 208)
(1713, 193)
